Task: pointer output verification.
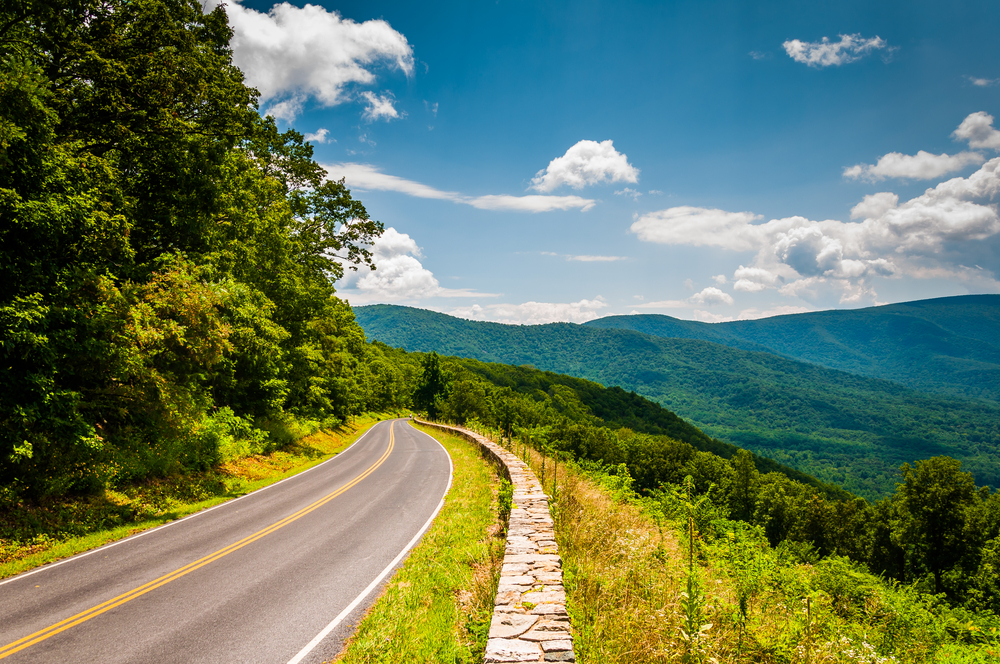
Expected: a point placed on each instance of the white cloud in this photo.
(759, 55)
(921, 166)
(754, 279)
(631, 193)
(399, 275)
(431, 108)
(292, 54)
(529, 203)
(720, 279)
(697, 226)
(711, 296)
(825, 53)
(534, 313)
(320, 136)
(927, 236)
(586, 258)
(782, 310)
(379, 107)
(586, 163)
(983, 82)
(366, 177)
(977, 129)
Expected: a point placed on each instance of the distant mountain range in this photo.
(737, 381)
(948, 345)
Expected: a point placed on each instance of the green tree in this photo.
(432, 387)
(931, 506)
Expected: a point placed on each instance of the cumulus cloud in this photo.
(977, 129)
(631, 193)
(825, 53)
(379, 107)
(921, 166)
(367, 177)
(586, 163)
(697, 226)
(294, 54)
(711, 296)
(399, 275)
(534, 313)
(927, 236)
(320, 136)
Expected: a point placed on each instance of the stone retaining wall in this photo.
(530, 623)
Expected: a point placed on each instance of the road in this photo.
(262, 578)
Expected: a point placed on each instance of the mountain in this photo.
(948, 346)
(843, 428)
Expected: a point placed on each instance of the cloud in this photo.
(720, 279)
(929, 236)
(983, 82)
(320, 136)
(431, 108)
(379, 107)
(697, 226)
(759, 55)
(921, 166)
(711, 296)
(977, 129)
(534, 313)
(632, 193)
(665, 304)
(586, 258)
(825, 53)
(399, 275)
(367, 177)
(529, 203)
(293, 54)
(586, 163)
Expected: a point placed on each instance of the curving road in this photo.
(279, 575)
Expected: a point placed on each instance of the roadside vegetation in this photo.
(35, 533)
(670, 577)
(437, 607)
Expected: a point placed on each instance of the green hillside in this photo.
(948, 346)
(844, 429)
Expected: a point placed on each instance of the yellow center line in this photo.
(95, 611)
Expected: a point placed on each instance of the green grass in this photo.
(33, 535)
(437, 607)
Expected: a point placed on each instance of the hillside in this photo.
(948, 346)
(844, 429)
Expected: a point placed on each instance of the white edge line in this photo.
(84, 554)
(389, 568)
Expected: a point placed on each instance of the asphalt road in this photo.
(262, 578)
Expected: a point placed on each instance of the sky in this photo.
(562, 161)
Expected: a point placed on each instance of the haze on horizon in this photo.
(706, 160)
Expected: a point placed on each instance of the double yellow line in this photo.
(95, 611)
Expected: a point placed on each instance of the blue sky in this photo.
(706, 160)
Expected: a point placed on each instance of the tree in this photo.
(931, 505)
(433, 386)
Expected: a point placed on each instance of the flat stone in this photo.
(553, 646)
(535, 635)
(519, 580)
(515, 568)
(510, 625)
(544, 597)
(549, 610)
(512, 650)
(562, 656)
(507, 597)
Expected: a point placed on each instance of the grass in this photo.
(35, 534)
(437, 607)
(632, 597)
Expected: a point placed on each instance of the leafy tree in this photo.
(433, 385)
(931, 506)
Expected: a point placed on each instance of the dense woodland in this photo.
(167, 261)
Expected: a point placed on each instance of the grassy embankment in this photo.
(32, 535)
(635, 595)
(437, 607)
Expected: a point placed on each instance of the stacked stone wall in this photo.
(530, 623)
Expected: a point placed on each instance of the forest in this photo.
(167, 303)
